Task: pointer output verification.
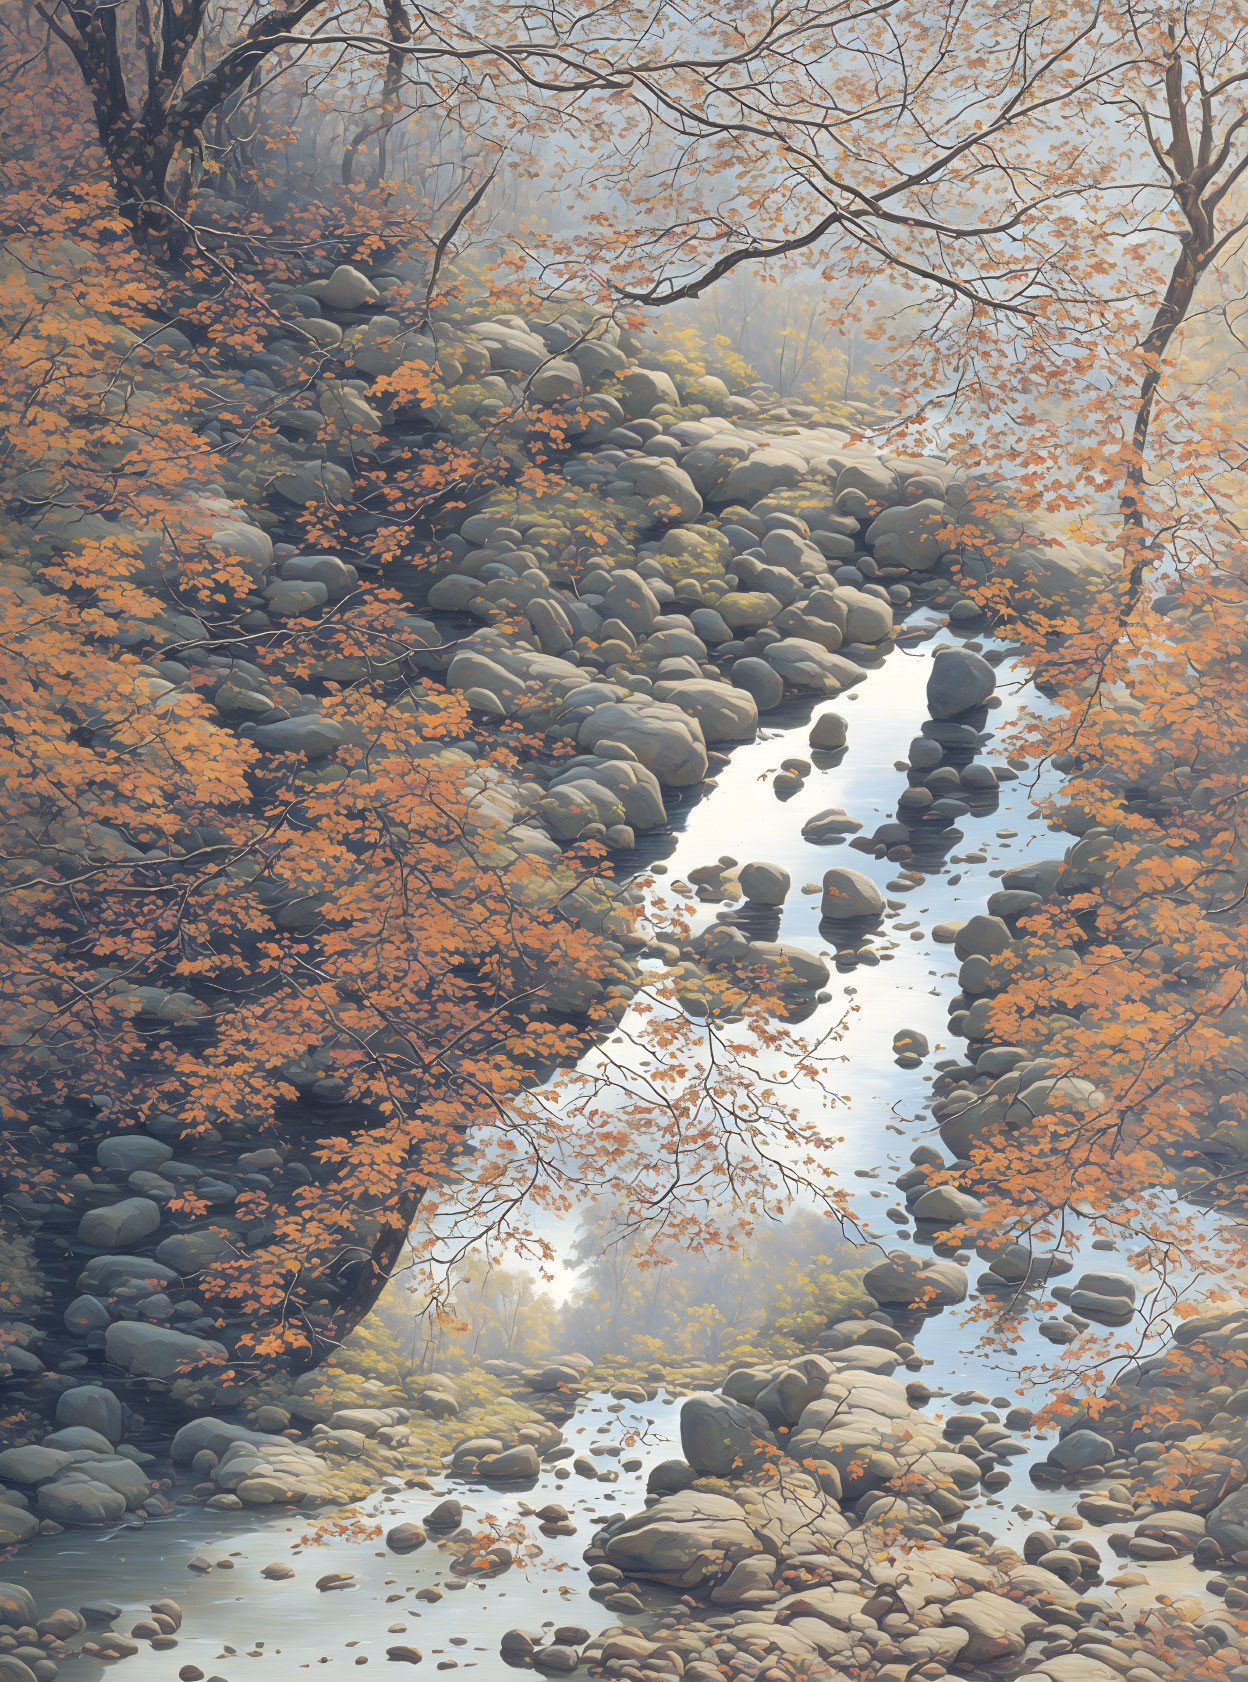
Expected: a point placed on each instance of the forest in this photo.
(489, 500)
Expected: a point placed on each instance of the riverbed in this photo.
(238, 1623)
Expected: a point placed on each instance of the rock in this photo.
(723, 1438)
(669, 1477)
(909, 536)
(807, 665)
(683, 1539)
(447, 1515)
(62, 1624)
(982, 937)
(98, 1614)
(556, 1660)
(336, 1580)
(347, 289)
(278, 1572)
(17, 1606)
(158, 1351)
(17, 1525)
(757, 678)
(848, 894)
(82, 1502)
(1081, 1449)
(289, 598)
(726, 714)
(32, 1464)
(665, 740)
(764, 884)
(959, 680)
(867, 618)
(86, 1314)
(1120, 1285)
(13, 1669)
(630, 599)
(91, 1406)
(769, 469)
(513, 1465)
(997, 1628)
(915, 1281)
(402, 1654)
(830, 825)
(946, 1204)
(558, 379)
(909, 1042)
(640, 390)
(338, 578)
(1109, 1310)
(119, 1224)
(307, 733)
(748, 610)
(127, 1153)
(829, 731)
(1227, 1524)
(405, 1538)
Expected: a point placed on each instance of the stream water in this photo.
(236, 1623)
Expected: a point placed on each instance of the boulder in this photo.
(127, 1153)
(307, 733)
(335, 574)
(915, 1282)
(347, 289)
(748, 610)
(86, 1314)
(191, 1252)
(683, 1540)
(1080, 1449)
(664, 738)
(1227, 1523)
(118, 1224)
(848, 894)
(75, 1437)
(559, 378)
(829, 731)
(82, 1501)
(669, 490)
(807, 665)
(759, 680)
(17, 1606)
(828, 826)
(946, 1204)
(723, 1438)
(17, 1525)
(641, 390)
(556, 1660)
(867, 618)
(103, 1274)
(405, 1538)
(631, 601)
(982, 937)
(959, 680)
(291, 598)
(768, 470)
(996, 1628)
(764, 884)
(157, 1351)
(909, 536)
(513, 1465)
(726, 714)
(33, 1464)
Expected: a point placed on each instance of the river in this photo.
(237, 1624)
